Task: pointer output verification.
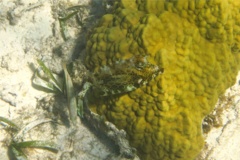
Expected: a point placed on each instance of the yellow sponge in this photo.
(195, 44)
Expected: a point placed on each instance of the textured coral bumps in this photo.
(195, 43)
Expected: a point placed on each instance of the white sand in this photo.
(22, 43)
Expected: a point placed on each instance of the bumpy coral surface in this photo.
(195, 44)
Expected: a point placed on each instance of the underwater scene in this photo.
(120, 79)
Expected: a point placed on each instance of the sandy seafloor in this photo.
(29, 30)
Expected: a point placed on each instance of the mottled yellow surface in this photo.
(197, 43)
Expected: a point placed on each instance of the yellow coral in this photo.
(197, 43)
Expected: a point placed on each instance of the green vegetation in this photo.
(17, 144)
